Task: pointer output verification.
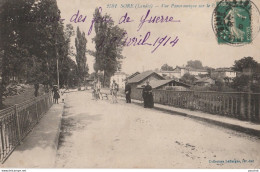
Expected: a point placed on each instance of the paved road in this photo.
(97, 134)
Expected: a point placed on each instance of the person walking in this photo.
(148, 96)
(98, 90)
(56, 94)
(128, 92)
(114, 90)
(36, 89)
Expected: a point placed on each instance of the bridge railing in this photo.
(240, 105)
(17, 121)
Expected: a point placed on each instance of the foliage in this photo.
(32, 39)
(188, 78)
(81, 59)
(240, 83)
(108, 46)
(196, 64)
(166, 67)
(244, 63)
(250, 75)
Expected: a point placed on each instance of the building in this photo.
(120, 78)
(167, 74)
(225, 72)
(180, 71)
(141, 78)
(133, 75)
(197, 72)
(165, 84)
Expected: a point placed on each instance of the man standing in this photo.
(148, 96)
(128, 92)
(114, 90)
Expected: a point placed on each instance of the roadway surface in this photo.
(99, 134)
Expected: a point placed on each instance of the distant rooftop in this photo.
(157, 83)
(142, 76)
(224, 70)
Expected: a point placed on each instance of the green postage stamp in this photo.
(232, 22)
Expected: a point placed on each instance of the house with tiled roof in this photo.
(143, 77)
(165, 84)
(156, 82)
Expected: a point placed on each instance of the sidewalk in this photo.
(38, 149)
(227, 122)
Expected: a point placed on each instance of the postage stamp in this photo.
(232, 22)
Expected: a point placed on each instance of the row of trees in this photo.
(34, 44)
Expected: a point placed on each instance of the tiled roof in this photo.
(158, 83)
(133, 75)
(142, 76)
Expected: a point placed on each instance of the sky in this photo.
(193, 30)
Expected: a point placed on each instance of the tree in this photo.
(80, 43)
(250, 73)
(196, 64)
(109, 46)
(188, 78)
(166, 67)
(240, 83)
(32, 39)
(245, 63)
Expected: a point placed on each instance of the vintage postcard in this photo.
(172, 84)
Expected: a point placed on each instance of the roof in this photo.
(133, 75)
(142, 76)
(177, 69)
(224, 70)
(159, 83)
(167, 71)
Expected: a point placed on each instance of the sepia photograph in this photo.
(129, 84)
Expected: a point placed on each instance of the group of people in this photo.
(96, 94)
(147, 94)
(114, 88)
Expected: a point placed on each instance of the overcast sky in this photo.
(197, 40)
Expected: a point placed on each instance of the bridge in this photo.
(99, 134)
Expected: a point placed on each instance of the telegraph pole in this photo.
(58, 76)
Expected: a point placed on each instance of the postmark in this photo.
(235, 22)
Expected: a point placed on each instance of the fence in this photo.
(240, 105)
(17, 121)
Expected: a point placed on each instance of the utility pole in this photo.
(58, 76)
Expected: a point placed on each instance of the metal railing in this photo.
(17, 121)
(240, 105)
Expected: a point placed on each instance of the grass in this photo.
(26, 95)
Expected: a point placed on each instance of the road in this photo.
(99, 134)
